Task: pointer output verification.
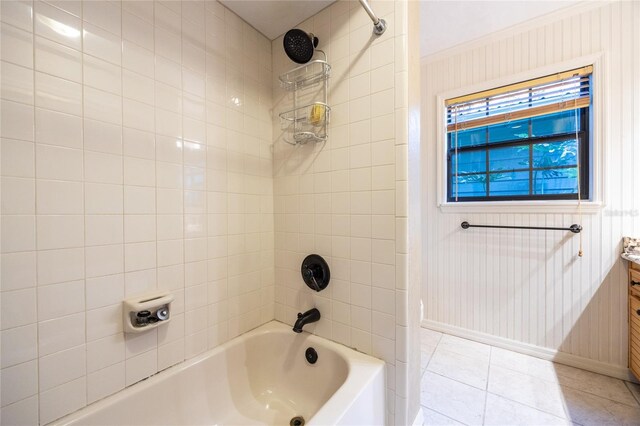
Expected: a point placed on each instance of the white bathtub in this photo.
(259, 378)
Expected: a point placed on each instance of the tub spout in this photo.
(312, 315)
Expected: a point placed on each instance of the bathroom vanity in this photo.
(634, 316)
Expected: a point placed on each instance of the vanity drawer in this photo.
(634, 305)
(634, 312)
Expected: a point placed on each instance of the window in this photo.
(526, 141)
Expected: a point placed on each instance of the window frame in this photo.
(584, 158)
(597, 197)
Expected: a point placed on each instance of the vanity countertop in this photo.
(634, 259)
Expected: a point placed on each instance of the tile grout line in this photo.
(486, 393)
(599, 396)
(435, 348)
(633, 394)
(450, 378)
(35, 204)
(506, 367)
(572, 387)
(123, 214)
(563, 402)
(155, 165)
(567, 415)
(492, 393)
(560, 386)
(443, 415)
(534, 408)
(426, 370)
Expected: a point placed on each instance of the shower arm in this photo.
(379, 25)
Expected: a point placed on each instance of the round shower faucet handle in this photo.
(315, 272)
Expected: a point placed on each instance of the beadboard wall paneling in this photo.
(135, 156)
(529, 286)
(346, 199)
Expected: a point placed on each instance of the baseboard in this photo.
(533, 350)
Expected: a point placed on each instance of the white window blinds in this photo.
(554, 93)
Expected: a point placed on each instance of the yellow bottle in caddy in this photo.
(316, 115)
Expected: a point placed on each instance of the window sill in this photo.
(588, 207)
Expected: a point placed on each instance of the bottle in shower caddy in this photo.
(316, 115)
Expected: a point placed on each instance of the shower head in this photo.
(299, 45)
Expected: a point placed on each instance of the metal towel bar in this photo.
(575, 228)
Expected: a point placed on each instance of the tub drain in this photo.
(297, 421)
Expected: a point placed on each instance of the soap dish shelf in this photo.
(298, 127)
(305, 75)
(146, 311)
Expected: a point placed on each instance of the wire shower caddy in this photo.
(308, 119)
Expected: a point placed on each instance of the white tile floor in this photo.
(465, 382)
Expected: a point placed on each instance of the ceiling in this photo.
(447, 23)
(444, 23)
(275, 17)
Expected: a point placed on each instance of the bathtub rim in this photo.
(362, 369)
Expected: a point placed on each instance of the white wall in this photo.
(455, 22)
(529, 286)
(135, 156)
(346, 199)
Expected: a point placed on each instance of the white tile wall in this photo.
(346, 199)
(128, 164)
